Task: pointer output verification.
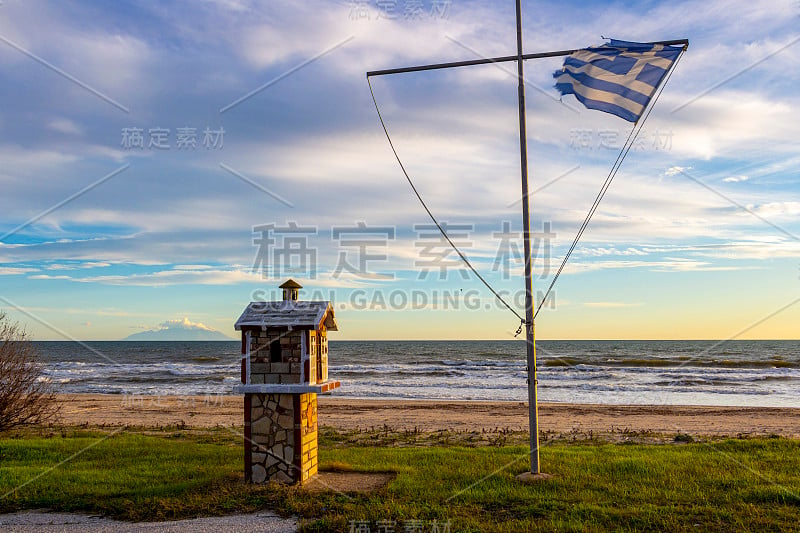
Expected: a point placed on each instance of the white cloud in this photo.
(184, 324)
(776, 209)
(736, 179)
(168, 277)
(66, 126)
(669, 265)
(193, 267)
(48, 276)
(611, 250)
(675, 170)
(14, 271)
(106, 59)
(21, 164)
(738, 122)
(76, 266)
(289, 33)
(176, 329)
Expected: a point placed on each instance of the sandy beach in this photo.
(408, 415)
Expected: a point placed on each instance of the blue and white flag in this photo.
(619, 77)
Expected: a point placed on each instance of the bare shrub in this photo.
(25, 397)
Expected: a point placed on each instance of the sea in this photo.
(723, 373)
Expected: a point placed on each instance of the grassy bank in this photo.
(721, 485)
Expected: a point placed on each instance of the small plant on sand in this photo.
(25, 397)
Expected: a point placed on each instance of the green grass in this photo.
(685, 486)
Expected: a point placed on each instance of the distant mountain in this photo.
(179, 330)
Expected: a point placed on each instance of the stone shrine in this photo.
(284, 367)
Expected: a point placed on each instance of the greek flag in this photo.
(619, 77)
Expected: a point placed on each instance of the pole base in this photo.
(530, 477)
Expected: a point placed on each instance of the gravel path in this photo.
(36, 521)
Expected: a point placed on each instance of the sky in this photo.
(163, 164)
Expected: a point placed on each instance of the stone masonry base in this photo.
(282, 433)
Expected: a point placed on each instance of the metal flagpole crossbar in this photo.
(502, 59)
(528, 321)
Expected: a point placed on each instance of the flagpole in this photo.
(530, 331)
(530, 336)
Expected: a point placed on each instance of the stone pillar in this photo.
(283, 437)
